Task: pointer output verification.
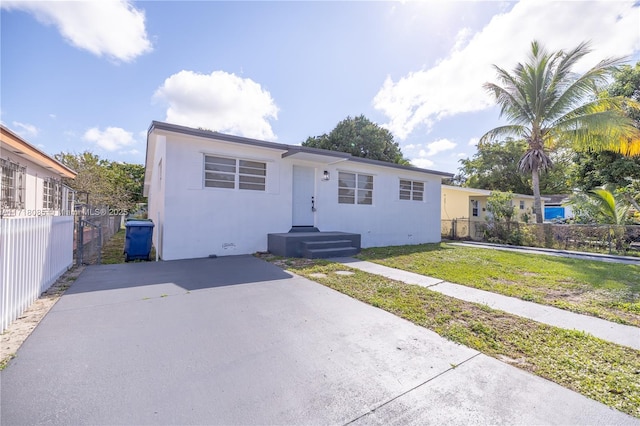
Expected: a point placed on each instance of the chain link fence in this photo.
(612, 239)
(93, 227)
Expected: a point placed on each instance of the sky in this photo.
(93, 75)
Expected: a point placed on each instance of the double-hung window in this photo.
(355, 188)
(13, 176)
(233, 173)
(521, 204)
(475, 207)
(411, 190)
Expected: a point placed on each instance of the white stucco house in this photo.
(217, 194)
(31, 181)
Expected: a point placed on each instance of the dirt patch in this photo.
(21, 328)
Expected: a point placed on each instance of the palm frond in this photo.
(504, 131)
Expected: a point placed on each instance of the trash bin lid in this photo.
(139, 223)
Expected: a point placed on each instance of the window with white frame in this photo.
(355, 188)
(521, 204)
(232, 173)
(51, 194)
(411, 190)
(13, 177)
(475, 204)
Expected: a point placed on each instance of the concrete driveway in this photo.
(239, 341)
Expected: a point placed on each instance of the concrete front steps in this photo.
(314, 244)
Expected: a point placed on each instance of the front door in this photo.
(303, 196)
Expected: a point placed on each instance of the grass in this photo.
(606, 290)
(600, 370)
(112, 251)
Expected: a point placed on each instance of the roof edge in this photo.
(159, 125)
(39, 154)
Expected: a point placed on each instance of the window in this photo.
(354, 188)
(13, 176)
(51, 194)
(521, 204)
(474, 208)
(220, 172)
(411, 190)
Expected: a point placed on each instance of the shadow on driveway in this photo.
(189, 274)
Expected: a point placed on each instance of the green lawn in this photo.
(113, 250)
(600, 370)
(606, 290)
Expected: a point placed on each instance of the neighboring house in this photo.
(556, 208)
(31, 181)
(471, 203)
(216, 194)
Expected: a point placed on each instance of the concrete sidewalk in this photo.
(237, 340)
(601, 257)
(606, 330)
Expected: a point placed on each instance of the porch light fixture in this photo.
(325, 175)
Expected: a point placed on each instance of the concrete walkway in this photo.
(606, 330)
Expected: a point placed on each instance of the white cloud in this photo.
(454, 84)
(422, 153)
(25, 130)
(111, 139)
(473, 141)
(412, 146)
(219, 101)
(422, 162)
(115, 29)
(439, 146)
(462, 155)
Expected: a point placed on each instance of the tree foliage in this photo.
(594, 169)
(360, 137)
(107, 183)
(603, 205)
(494, 166)
(547, 104)
(500, 205)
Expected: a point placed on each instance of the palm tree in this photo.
(548, 104)
(610, 206)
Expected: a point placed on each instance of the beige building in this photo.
(471, 203)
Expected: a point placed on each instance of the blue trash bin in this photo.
(137, 243)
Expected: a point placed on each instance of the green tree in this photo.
(500, 205)
(112, 184)
(360, 137)
(494, 166)
(595, 169)
(601, 205)
(548, 104)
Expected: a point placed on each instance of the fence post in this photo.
(80, 243)
(99, 261)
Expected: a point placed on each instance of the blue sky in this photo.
(92, 76)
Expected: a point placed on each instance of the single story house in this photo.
(471, 203)
(217, 194)
(31, 181)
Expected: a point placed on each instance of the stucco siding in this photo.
(193, 220)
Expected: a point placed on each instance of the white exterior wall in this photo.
(193, 221)
(389, 220)
(200, 221)
(156, 204)
(34, 186)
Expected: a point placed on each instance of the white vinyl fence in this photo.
(34, 252)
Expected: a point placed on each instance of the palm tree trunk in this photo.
(537, 202)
